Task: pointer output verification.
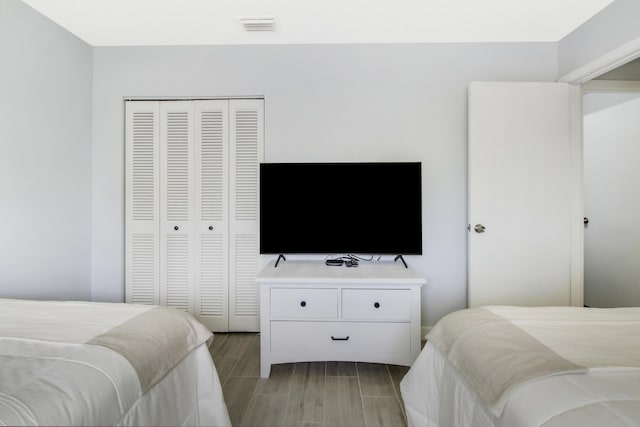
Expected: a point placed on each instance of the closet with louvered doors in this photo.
(192, 208)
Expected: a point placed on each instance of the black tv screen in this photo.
(341, 208)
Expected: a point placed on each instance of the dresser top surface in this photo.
(317, 272)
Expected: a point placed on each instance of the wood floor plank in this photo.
(279, 382)
(340, 369)
(306, 401)
(397, 374)
(375, 380)
(226, 350)
(303, 424)
(343, 403)
(382, 412)
(248, 364)
(237, 395)
(314, 394)
(229, 344)
(266, 410)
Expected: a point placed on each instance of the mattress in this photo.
(79, 363)
(437, 392)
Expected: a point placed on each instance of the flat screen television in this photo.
(341, 208)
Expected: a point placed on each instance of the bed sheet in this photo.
(174, 401)
(50, 376)
(436, 394)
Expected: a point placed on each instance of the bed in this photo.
(79, 363)
(503, 366)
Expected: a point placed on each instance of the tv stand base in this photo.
(283, 258)
(401, 259)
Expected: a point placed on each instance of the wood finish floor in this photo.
(313, 394)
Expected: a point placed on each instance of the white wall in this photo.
(612, 201)
(45, 157)
(322, 103)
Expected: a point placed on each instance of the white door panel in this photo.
(212, 205)
(521, 152)
(142, 198)
(176, 204)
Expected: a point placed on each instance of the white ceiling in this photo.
(198, 22)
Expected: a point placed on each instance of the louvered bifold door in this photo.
(176, 204)
(246, 152)
(142, 202)
(212, 195)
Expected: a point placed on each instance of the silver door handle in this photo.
(479, 228)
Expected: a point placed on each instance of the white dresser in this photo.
(313, 312)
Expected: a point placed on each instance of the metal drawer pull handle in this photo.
(303, 303)
(176, 228)
(376, 304)
(339, 339)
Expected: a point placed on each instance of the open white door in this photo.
(525, 194)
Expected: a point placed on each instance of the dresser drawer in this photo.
(341, 340)
(376, 304)
(301, 303)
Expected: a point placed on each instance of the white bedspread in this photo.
(604, 390)
(50, 376)
(435, 394)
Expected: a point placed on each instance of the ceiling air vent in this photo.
(259, 23)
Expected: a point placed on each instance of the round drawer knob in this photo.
(376, 304)
(176, 228)
(211, 227)
(303, 303)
